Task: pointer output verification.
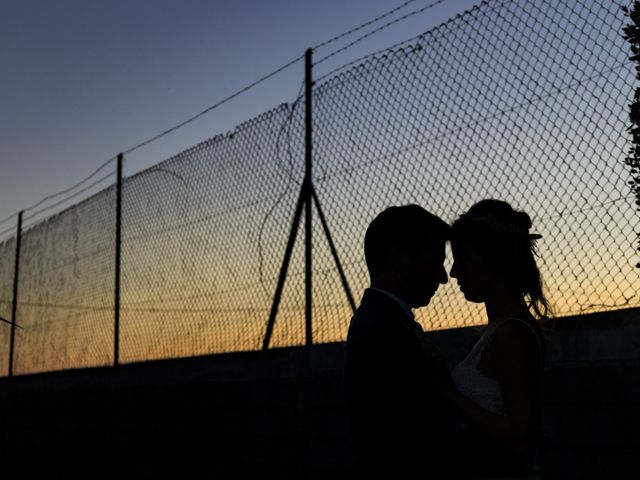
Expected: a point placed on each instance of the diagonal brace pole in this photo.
(302, 199)
(334, 251)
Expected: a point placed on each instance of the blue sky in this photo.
(84, 80)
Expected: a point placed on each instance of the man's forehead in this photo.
(434, 248)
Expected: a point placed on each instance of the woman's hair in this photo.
(499, 235)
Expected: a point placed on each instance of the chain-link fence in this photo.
(523, 100)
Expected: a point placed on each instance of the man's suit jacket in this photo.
(397, 420)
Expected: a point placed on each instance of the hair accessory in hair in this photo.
(533, 243)
(490, 222)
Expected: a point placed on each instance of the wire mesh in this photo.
(200, 247)
(66, 285)
(524, 101)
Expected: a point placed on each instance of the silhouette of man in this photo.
(396, 416)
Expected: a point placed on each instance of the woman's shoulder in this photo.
(517, 328)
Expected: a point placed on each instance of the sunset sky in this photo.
(83, 81)
(458, 112)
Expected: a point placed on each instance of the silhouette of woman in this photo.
(498, 385)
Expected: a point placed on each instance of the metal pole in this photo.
(14, 306)
(116, 307)
(285, 266)
(308, 180)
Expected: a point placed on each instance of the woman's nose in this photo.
(454, 271)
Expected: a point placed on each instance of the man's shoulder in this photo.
(378, 304)
(376, 312)
(380, 322)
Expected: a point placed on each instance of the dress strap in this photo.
(474, 356)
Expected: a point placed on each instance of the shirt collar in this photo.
(402, 303)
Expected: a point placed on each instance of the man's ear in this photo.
(397, 258)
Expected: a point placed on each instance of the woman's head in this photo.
(492, 246)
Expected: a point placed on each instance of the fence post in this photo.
(14, 306)
(116, 306)
(309, 182)
(304, 200)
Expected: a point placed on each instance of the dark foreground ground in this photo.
(279, 414)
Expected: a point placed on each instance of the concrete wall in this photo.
(280, 413)
(592, 397)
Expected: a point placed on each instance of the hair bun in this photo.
(500, 217)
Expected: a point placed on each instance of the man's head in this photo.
(404, 247)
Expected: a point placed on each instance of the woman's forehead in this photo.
(461, 248)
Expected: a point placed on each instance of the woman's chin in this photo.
(470, 297)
